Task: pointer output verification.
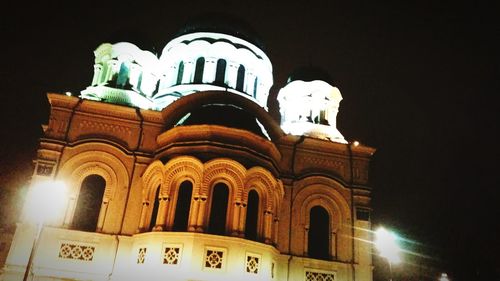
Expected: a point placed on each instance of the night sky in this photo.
(419, 79)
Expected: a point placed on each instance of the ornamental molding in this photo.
(317, 275)
(101, 163)
(76, 251)
(180, 168)
(152, 178)
(105, 127)
(338, 166)
(108, 110)
(227, 169)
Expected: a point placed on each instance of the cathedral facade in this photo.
(174, 169)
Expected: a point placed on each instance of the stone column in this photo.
(69, 211)
(243, 215)
(209, 70)
(160, 222)
(275, 230)
(142, 222)
(267, 226)
(333, 244)
(236, 219)
(306, 239)
(250, 81)
(232, 74)
(102, 215)
(188, 73)
(201, 213)
(193, 214)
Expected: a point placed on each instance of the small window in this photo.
(363, 214)
(240, 79)
(220, 72)
(198, 72)
(123, 74)
(255, 85)
(180, 73)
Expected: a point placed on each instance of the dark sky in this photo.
(419, 81)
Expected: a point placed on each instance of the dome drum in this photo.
(207, 61)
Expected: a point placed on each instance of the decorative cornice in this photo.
(219, 134)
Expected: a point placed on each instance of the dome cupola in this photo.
(309, 105)
(208, 55)
(123, 74)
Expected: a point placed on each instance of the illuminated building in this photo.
(176, 170)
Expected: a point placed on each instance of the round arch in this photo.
(175, 111)
(326, 193)
(180, 169)
(84, 164)
(151, 179)
(223, 169)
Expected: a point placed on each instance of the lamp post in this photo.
(385, 242)
(44, 202)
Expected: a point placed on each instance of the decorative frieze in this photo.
(105, 127)
(312, 275)
(338, 166)
(76, 252)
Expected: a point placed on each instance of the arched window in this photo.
(255, 84)
(251, 221)
(154, 213)
(318, 243)
(89, 203)
(180, 73)
(240, 78)
(182, 206)
(218, 209)
(198, 71)
(220, 72)
(139, 82)
(123, 74)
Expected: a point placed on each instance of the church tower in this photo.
(172, 168)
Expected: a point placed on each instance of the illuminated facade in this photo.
(175, 170)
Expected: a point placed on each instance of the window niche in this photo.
(218, 209)
(318, 243)
(154, 212)
(252, 217)
(220, 72)
(183, 206)
(198, 71)
(89, 203)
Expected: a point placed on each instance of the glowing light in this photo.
(68, 94)
(310, 108)
(213, 46)
(45, 201)
(356, 143)
(140, 71)
(386, 244)
(444, 277)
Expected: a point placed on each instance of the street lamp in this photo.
(444, 277)
(44, 202)
(386, 244)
